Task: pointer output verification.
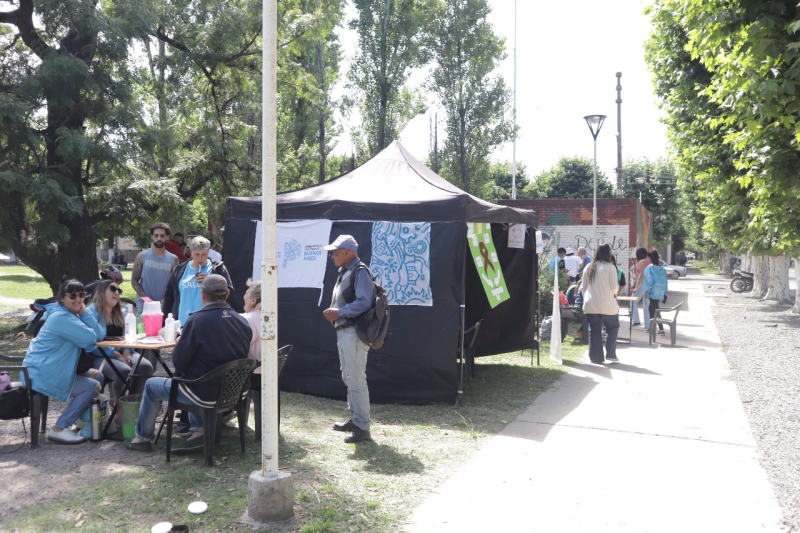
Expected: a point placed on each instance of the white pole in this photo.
(514, 145)
(594, 205)
(269, 267)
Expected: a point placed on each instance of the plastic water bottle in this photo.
(130, 325)
(169, 328)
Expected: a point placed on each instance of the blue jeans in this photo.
(83, 390)
(156, 390)
(596, 323)
(353, 363)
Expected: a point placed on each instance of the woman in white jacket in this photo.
(600, 306)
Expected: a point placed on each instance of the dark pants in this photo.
(596, 323)
(652, 307)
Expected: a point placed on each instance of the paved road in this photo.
(659, 443)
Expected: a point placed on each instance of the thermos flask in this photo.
(97, 420)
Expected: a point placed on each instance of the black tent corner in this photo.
(418, 363)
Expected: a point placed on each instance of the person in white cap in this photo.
(352, 296)
(572, 263)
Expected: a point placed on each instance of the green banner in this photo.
(481, 247)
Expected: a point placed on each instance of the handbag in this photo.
(14, 403)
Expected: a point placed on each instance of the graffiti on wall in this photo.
(580, 236)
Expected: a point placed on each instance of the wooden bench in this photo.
(671, 322)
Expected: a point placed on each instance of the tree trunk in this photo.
(747, 262)
(760, 276)
(778, 288)
(725, 262)
(796, 308)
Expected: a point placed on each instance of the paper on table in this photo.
(151, 340)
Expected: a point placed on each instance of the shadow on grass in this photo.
(385, 459)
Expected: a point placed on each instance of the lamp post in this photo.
(595, 122)
(641, 181)
(496, 192)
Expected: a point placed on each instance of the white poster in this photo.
(401, 261)
(300, 253)
(516, 236)
(539, 243)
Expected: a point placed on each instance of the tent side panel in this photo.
(417, 365)
(240, 235)
(511, 325)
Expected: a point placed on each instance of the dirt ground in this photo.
(42, 474)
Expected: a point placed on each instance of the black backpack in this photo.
(372, 327)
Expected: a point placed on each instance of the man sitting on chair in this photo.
(213, 336)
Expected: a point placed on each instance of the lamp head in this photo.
(640, 180)
(595, 122)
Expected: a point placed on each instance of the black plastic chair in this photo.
(255, 393)
(232, 379)
(37, 402)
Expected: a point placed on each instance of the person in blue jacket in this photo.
(107, 311)
(52, 358)
(655, 279)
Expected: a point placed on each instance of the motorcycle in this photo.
(35, 319)
(742, 281)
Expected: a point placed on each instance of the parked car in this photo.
(674, 271)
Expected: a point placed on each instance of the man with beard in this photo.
(152, 267)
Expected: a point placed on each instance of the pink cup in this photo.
(152, 323)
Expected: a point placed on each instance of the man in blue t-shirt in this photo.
(558, 258)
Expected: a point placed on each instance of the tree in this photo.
(749, 53)
(465, 52)
(660, 195)
(572, 177)
(390, 34)
(499, 176)
(309, 67)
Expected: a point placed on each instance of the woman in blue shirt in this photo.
(182, 296)
(655, 279)
(52, 358)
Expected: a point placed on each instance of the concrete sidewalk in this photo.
(659, 443)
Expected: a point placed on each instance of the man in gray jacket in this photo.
(352, 296)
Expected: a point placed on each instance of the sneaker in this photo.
(188, 446)
(64, 436)
(662, 332)
(612, 358)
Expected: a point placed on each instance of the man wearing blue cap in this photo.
(352, 296)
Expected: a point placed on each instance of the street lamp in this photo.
(595, 122)
(641, 181)
(496, 191)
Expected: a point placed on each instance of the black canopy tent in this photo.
(417, 364)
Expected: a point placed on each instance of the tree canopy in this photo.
(571, 177)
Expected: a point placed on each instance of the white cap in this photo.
(570, 251)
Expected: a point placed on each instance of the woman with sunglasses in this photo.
(107, 310)
(52, 358)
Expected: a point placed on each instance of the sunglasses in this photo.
(74, 295)
(115, 289)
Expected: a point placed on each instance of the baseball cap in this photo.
(570, 250)
(346, 242)
(215, 285)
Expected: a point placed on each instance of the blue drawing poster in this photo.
(401, 261)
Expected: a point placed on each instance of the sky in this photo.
(568, 55)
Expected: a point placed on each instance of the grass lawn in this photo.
(22, 282)
(371, 487)
(706, 267)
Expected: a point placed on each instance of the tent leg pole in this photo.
(463, 318)
(538, 302)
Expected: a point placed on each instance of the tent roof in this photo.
(393, 186)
